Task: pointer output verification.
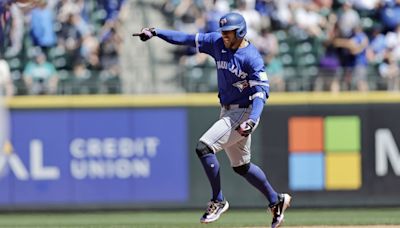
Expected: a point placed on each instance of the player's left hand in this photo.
(246, 128)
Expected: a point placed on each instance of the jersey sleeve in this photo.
(259, 86)
(205, 42)
(176, 37)
(258, 79)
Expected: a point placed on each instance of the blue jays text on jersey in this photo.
(240, 72)
(224, 65)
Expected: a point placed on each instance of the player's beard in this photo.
(227, 43)
(232, 44)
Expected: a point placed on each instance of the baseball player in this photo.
(242, 89)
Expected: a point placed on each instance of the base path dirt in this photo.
(365, 226)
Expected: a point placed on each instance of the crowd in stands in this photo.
(309, 45)
(73, 46)
(64, 47)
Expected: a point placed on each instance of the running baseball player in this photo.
(243, 89)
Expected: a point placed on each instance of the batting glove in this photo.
(147, 34)
(246, 128)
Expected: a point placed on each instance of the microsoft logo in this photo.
(324, 153)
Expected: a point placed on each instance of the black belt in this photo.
(233, 106)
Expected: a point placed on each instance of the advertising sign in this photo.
(334, 155)
(96, 156)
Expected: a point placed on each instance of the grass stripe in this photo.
(190, 219)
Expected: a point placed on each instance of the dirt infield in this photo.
(364, 226)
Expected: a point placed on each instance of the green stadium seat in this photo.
(281, 35)
(306, 60)
(19, 83)
(64, 82)
(284, 47)
(287, 60)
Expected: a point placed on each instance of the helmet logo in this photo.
(222, 22)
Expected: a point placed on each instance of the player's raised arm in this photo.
(173, 37)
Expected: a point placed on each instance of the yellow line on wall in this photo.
(101, 101)
(334, 98)
(200, 99)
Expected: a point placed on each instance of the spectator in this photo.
(284, 13)
(17, 31)
(329, 71)
(355, 67)
(390, 72)
(186, 15)
(42, 30)
(81, 83)
(329, 65)
(269, 12)
(377, 46)
(40, 76)
(308, 19)
(66, 8)
(112, 8)
(267, 44)
(366, 5)
(90, 50)
(392, 40)
(348, 19)
(390, 14)
(71, 38)
(110, 43)
(215, 9)
(252, 17)
(265, 8)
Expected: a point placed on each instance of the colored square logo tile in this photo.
(342, 134)
(306, 171)
(343, 171)
(305, 134)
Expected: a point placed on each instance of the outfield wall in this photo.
(138, 151)
(335, 155)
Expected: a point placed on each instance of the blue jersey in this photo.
(360, 58)
(240, 72)
(241, 76)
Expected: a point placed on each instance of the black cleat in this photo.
(279, 208)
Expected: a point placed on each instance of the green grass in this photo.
(190, 219)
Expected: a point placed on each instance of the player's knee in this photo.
(202, 149)
(242, 170)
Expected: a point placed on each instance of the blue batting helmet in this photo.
(233, 21)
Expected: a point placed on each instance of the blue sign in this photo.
(100, 156)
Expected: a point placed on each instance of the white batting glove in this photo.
(246, 128)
